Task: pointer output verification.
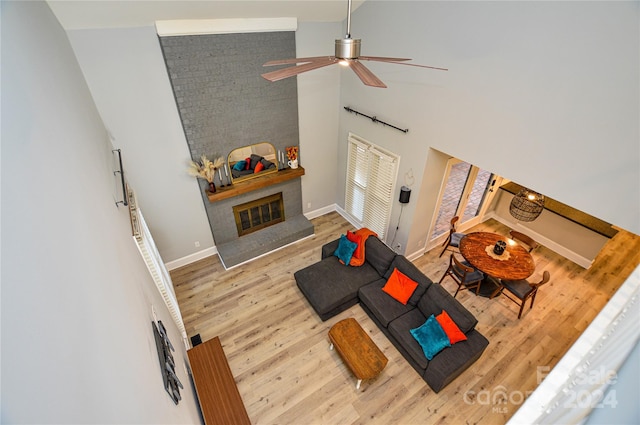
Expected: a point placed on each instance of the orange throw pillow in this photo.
(399, 286)
(450, 328)
(259, 167)
(357, 239)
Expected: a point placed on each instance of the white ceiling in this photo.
(134, 13)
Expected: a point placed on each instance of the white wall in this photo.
(318, 112)
(127, 76)
(569, 239)
(542, 93)
(77, 342)
(128, 79)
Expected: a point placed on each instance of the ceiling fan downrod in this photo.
(348, 20)
(347, 47)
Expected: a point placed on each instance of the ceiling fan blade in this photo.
(299, 69)
(365, 75)
(295, 60)
(391, 60)
(382, 59)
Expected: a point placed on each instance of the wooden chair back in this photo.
(452, 230)
(529, 242)
(458, 272)
(522, 300)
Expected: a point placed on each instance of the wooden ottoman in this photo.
(361, 355)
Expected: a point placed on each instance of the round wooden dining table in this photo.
(514, 264)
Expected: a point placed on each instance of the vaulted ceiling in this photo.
(118, 14)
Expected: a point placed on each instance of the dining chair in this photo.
(454, 237)
(463, 274)
(521, 237)
(523, 290)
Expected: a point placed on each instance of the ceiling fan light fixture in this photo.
(348, 48)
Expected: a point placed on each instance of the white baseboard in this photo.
(321, 211)
(348, 217)
(414, 255)
(191, 258)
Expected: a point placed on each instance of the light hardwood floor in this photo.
(278, 349)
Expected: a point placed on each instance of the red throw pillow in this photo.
(357, 239)
(259, 167)
(248, 166)
(399, 286)
(450, 328)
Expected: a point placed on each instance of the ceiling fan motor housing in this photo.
(347, 48)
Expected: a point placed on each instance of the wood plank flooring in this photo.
(278, 348)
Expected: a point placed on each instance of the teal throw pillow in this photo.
(431, 337)
(345, 249)
(239, 166)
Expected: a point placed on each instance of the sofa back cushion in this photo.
(436, 299)
(378, 255)
(407, 268)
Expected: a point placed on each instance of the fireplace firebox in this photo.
(258, 214)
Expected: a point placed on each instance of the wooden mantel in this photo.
(255, 183)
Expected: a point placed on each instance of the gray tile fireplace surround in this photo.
(264, 241)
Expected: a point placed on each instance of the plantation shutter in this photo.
(357, 171)
(371, 173)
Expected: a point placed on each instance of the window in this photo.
(466, 193)
(371, 174)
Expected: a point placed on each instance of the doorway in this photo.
(467, 191)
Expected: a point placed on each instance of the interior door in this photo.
(467, 191)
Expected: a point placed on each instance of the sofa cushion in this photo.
(329, 248)
(411, 271)
(436, 299)
(382, 306)
(431, 337)
(328, 284)
(400, 329)
(399, 286)
(345, 250)
(452, 361)
(240, 165)
(267, 164)
(378, 254)
(253, 161)
(450, 328)
(356, 239)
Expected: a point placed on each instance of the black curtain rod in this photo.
(374, 119)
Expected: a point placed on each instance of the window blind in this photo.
(371, 174)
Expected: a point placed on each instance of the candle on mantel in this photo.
(225, 170)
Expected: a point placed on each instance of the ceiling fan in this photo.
(347, 53)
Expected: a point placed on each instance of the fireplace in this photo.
(258, 214)
(205, 71)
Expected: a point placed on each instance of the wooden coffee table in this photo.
(357, 350)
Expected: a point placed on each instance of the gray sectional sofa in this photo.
(332, 287)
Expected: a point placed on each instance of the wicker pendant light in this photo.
(527, 205)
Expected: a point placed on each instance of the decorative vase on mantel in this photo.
(212, 187)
